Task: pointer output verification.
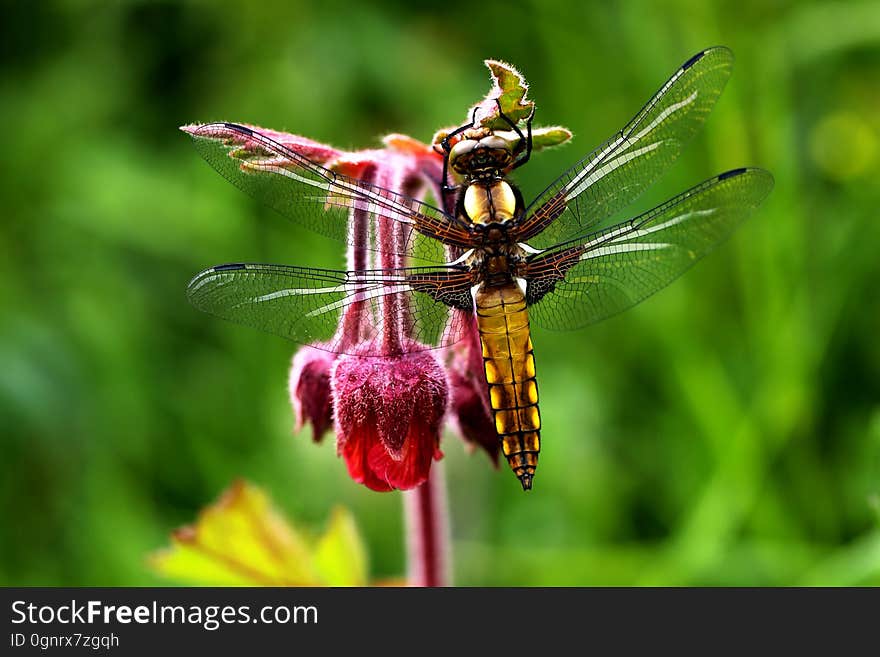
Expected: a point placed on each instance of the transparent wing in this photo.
(616, 173)
(339, 311)
(315, 197)
(584, 281)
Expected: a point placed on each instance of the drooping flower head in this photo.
(388, 408)
(403, 163)
(309, 387)
(389, 416)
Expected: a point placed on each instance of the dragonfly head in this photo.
(482, 158)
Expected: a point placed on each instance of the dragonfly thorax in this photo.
(489, 202)
(498, 260)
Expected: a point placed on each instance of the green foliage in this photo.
(241, 540)
(508, 93)
(726, 431)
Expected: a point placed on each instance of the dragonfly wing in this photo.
(583, 281)
(616, 173)
(316, 197)
(339, 311)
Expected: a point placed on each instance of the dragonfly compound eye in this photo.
(462, 148)
(473, 158)
(495, 142)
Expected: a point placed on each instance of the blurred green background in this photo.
(726, 431)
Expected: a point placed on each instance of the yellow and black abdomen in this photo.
(509, 363)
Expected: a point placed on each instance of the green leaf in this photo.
(549, 136)
(243, 540)
(509, 89)
(340, 557)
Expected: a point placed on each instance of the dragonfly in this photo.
(558, 261)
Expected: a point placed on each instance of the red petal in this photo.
(473, 416)
(356, 451)
(414, 464)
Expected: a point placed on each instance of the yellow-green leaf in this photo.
(340, 557)
(550, 136)
(243, 540)
(509, 89)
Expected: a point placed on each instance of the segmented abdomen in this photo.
(509, 363)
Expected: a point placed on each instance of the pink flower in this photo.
(389, 414)
(470, 408)
(309, 386)
(388, 408)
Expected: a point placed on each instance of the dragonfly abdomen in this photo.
(509, 364)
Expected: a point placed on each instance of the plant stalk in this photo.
(426, 523)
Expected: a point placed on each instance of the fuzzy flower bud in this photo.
(470, 408)
(389, 415)
(309, 386)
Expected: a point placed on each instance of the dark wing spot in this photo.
(240, 128)
(693, 60)
(731, 173)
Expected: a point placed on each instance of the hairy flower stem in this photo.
(392, 316)
(350, 326)
(427, 531)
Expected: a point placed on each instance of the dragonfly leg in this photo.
(445, 187)
(525, 141)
